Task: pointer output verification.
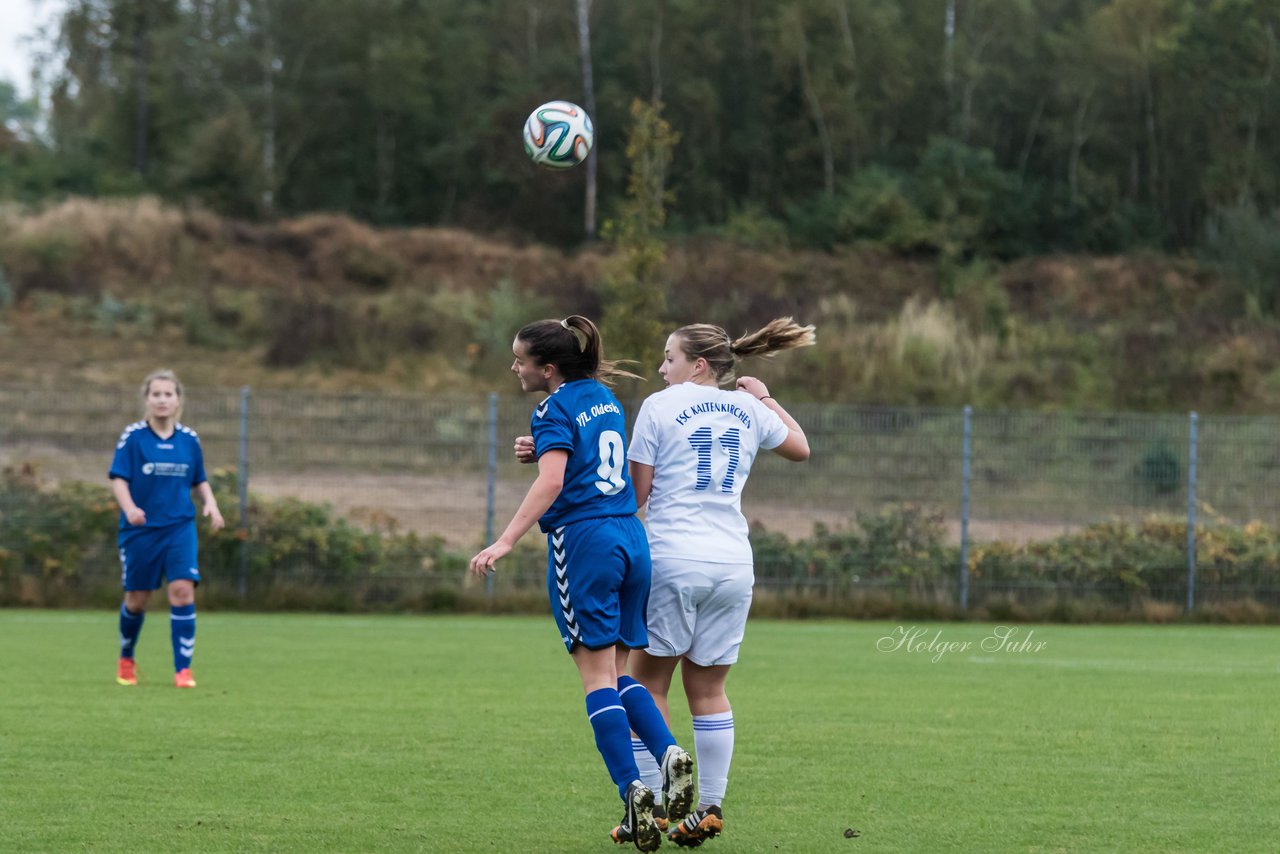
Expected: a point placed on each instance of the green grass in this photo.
(334, 733)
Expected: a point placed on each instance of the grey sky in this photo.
(18, 19)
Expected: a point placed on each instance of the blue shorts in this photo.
(598, 574)
(149, 554)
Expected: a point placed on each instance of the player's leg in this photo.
(587, 564)
(713, 744)
(608, 718)
(647, 721)
(586, 612)
(139, 576)
(721, 625)
(598, 668)
(180, 568)
(669, 625)
(182, 630)
(654, 673)
(712, 728)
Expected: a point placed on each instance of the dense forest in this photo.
(953, 128)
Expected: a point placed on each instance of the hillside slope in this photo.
(101, 292)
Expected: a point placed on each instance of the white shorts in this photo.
(699, 610)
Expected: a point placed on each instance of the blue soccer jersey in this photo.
(585, 419)
(160, 472)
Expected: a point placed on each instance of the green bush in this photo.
(1245, 245)
(50, 538)
(59, 545)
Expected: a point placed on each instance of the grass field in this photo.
(355, 733)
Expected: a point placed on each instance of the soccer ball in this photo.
(558, 135)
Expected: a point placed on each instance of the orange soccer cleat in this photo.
(698, 826)
(126, 672)
(184, 679)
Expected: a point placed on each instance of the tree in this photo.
(633, 290)
(589, 95)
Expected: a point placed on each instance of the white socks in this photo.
(650, 773)
(713, 743)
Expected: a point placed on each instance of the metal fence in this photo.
(441, 465)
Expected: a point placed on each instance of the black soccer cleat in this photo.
(677, 783)
(639, 825)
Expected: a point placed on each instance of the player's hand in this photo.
(753, 387)
(524, 449)
(216, 522)
(482, 564)
(136, 516)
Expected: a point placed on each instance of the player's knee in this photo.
(182, 593)
(136, 600)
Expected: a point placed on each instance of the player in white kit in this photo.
(691, 452)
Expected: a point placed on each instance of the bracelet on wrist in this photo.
(766, 397)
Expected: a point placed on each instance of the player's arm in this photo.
(796, 446)
(537, 501)
(132, 512)
(641, 482)
(209, 505)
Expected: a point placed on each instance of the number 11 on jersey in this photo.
(703, 444)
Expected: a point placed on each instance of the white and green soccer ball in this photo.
(558, 135)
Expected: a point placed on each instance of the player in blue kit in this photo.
(693, 448)
(157, 463)
(597, 557)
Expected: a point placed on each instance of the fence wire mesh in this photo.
(424, 464)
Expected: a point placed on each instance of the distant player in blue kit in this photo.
(597, 557)
(158, 462)
(693, 447)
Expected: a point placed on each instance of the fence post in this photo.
(493, 482)
(964, 508)
(1191, 514)
(243, 481)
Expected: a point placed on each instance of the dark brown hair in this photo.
(573, 345)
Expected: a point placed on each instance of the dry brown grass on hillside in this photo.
(60, 247)
(1110, 287)
(87, 246)
(461, 260)
(305, 301)
(721, 280)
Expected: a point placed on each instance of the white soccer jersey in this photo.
(701, 442)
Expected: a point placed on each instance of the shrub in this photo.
(50, 536)
(753, 227)
(59, 548)
(1245, 245)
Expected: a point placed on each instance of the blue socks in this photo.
(182, 630)
(613, 736)
(130, 626)
(645, 719)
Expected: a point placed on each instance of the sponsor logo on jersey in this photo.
(165, 469)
